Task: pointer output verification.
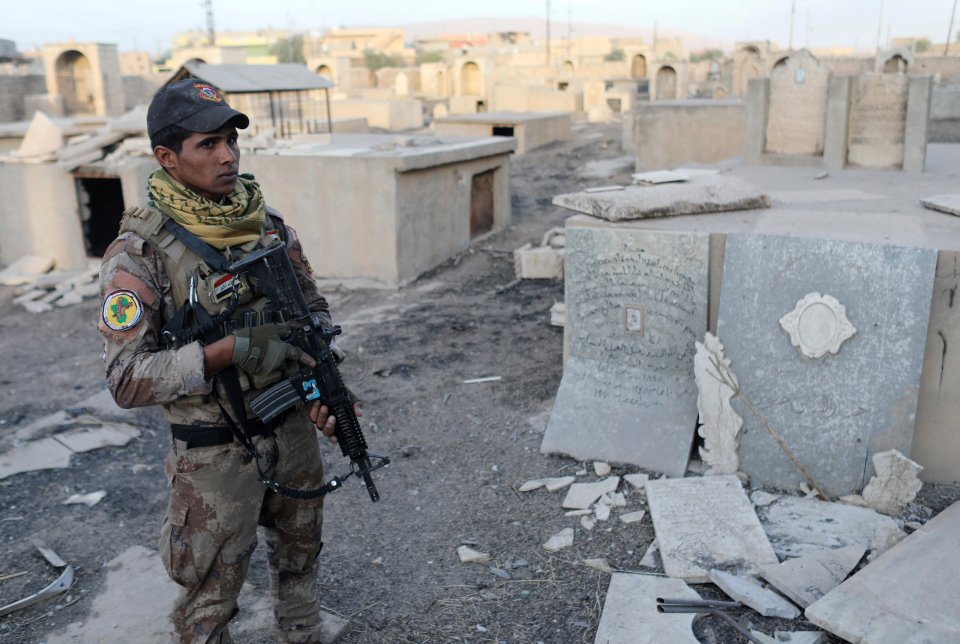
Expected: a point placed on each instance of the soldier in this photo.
(158, 294)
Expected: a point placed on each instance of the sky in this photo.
(147, 25)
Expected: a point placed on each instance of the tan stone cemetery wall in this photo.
(798, 106)
(878, 115)
(668, 134)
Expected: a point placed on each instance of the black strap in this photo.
(207, 253)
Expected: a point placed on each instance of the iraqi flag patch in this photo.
(122, 310)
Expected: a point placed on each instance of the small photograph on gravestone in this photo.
(633, 319)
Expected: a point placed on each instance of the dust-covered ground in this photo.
(459, 452)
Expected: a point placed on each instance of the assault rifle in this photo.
(272, 274)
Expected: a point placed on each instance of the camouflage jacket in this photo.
(140, 285)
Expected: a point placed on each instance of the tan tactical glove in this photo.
(259, 350)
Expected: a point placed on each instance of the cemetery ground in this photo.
(459, 452)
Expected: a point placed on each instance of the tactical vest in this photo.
(212, 288)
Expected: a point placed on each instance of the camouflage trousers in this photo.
(210, 532)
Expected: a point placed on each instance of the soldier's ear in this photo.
(166, 157)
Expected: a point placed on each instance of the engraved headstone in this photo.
(706, 523)
(836, 410)
(636, 304)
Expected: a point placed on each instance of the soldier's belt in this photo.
(208, 436)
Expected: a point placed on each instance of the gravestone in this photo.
(630, 613)
(636, 303)
(827, 338)
(703, 523)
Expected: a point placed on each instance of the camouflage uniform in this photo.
(216, 499)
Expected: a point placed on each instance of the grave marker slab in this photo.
(834, 411)
(636, 303)
(630, 612)
(908, 594)
(706, 523)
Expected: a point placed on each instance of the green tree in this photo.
(615, 56)
(921, 45)
(706, 54)
(288, 50)
(375, 60)
(429, 57)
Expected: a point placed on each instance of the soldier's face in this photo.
(208, 162)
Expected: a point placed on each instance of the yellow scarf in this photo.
(238, 220)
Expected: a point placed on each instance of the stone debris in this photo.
(800, 637)
(558, 314)
(750, 593)
(42, 288)
(559, 541)
(702, 195)
(88, 500)
(578, 513)
(589, 523)
(601, 468)
(544, 261)
(706, 523)
(651, 558)
(633, 517)
(602, 512)
(25, 270)
(604, 189)
(630, 613)
(762, 499)
(639, 481)
(551, 484)
(799, 527)
(42, 140)
(719, 422)
(660, 176)
(468, 555)
(583, 495)
(908, 594)
(806, 579)
(598, 564)
(603, 168)
(895, 485)
(43, 454)
(949, 204)
(52, 557)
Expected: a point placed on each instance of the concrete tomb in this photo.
(706, 523)
(908, 594)
(833, 410)
(701, 195)
(806, 579)
(531, 130)
(636, 303)
(630, 612)
(719, 423)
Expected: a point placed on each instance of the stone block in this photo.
(949, 204)
(706, 523)
(806, 579)
(918, 124)
(636, 303)
(908, 594)
(750, 593)
(543, 262)
(834, 412)
(838, 122)
(702, 195)
(43, 138)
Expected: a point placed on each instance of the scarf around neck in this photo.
(236, 221)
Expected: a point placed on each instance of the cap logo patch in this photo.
(122, 310)
(208, 93)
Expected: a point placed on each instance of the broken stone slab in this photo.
(604, 189)
(750, 593)
(630, 611)
(702, 195)
(706, 523)
(25, 270)
(559, 541)
(602, 512)
(43, 138)
(949, 204)
(908, 594)
(895, 485)
(43, 454)
(651, 558)
(69, 299)
(806, 579)
(37, 306)
(107, 435)
(601, 468)
(762, 499)
(719, 422)
(799, 527)
(552, 483)
(660, 176)
(588, 522)
(558, 314)
(582, 495)
(468, 555)
(578, 513)
(30, 296)
(598, 564)
(633, 517)
(639, 480)
(800, 637)
(89, 500)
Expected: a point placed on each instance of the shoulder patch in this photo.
(122, 310)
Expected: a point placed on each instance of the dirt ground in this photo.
(459, 451)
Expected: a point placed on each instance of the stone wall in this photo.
(670, 133)
(878, 114)
(945, 113)
(139, 90)
(13, 88)
(798, 106)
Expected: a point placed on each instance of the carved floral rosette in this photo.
(818, 325)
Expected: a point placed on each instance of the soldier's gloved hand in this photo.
(261, 349)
